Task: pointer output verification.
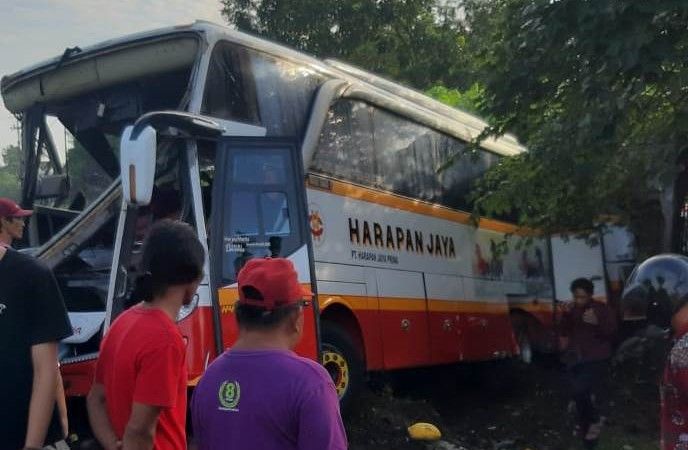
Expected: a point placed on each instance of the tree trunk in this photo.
(668, 205)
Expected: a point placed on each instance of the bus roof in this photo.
(50, 79)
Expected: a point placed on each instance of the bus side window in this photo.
(345, 149)
(230, 89)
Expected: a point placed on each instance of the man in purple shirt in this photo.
(260, 394)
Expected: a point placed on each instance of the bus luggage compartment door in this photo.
(404, 318)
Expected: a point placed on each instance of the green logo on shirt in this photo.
(229, 395)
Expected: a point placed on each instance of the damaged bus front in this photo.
(72, 111)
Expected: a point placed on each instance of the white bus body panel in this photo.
(574, 258)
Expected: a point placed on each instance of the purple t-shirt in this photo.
(268, 399)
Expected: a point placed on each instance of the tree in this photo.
(471, 100)
(597, 92)
(9, 172)
(402, 39)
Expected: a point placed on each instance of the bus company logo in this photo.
(316, 224)
(229, 395)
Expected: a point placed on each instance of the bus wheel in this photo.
(342, 361)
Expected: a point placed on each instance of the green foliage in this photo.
(597, 92)
(9, 172)
(402, 39)
(470, 100)
(86, 177)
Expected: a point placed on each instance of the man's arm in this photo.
(140, 431)
(99, 420)
(62, 405)
(44, 361)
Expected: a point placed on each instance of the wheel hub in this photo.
(336, 365)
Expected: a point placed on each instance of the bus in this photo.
(267, 151)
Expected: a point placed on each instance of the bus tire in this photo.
(343, 362)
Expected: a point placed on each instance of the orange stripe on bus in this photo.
(534, 307)
(417, 206)
(229, 296)
(363, 303)
(464, 306)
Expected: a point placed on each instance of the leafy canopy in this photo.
(597, 90)
(403, 39)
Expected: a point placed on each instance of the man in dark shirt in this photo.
(32, 321)
(587, 332)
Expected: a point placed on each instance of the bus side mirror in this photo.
(137, 164)
(138, 147)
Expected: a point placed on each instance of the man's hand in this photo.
(590, 317)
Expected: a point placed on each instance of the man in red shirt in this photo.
(138, 400)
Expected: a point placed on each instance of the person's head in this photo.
(12, 219)
(582, 290)
(166, 203)
(173, 257)
(271, 300)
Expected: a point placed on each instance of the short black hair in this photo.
(172, 255)
(583, 283)
(252, 317)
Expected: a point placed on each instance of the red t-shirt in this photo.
(142, 360)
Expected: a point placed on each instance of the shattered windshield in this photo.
(71, 148)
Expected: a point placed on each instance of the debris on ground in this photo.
(532, 414)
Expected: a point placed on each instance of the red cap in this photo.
(275, 279)
(8, 208)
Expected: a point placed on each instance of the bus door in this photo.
(403, 318)
(259, 210)
(485, 326)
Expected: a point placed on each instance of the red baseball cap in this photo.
(275, 280)
(8, 208)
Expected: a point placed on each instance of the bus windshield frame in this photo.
(61, 187)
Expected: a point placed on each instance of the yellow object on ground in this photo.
(422, 431)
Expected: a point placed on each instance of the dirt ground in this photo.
(499, 406)
(482, 407)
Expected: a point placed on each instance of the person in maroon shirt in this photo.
(138, 399)
(587, 333)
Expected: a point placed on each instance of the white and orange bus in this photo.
(267, 151)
